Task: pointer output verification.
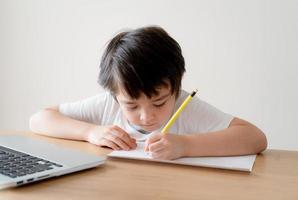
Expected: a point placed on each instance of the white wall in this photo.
(241, 55)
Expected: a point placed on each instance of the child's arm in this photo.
(52, 123)
(239, 138)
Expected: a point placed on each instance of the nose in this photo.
(147, 116)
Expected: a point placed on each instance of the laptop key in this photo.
(16, 164)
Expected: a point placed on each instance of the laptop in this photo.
(25, 160)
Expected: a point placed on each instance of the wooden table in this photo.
(274, 176)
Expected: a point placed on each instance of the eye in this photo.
(132, 108)
(160, 105)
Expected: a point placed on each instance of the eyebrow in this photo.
(158, 99)
(128, 102)
(162, 97)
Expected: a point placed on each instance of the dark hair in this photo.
(141, 60)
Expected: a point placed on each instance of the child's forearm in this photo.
(235, 140)
(52, 123)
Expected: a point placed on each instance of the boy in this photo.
(141, 71)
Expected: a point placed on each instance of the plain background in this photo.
(241, 55)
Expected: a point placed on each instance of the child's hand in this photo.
(168, 147)
(111, 136)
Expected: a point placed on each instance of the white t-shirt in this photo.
(102, 109)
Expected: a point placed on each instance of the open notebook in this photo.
(241, 163)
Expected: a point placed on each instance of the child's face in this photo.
(148, 113)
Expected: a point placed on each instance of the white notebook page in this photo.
(241, 163)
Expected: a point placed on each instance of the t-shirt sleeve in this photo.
(89, 110)
(203, 117)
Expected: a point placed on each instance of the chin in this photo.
(151, 129)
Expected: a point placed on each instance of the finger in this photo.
(146, 146)
(155, 147)
(110, 144)
(156, 136)
(135, 143)
(124, 137)
(117, 141)
(158, 154)
(131, 142)
(134, 140)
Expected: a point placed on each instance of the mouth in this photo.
(149, 127)
(146, 127)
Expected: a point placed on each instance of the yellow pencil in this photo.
(174, 117)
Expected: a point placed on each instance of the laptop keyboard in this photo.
(16, 164)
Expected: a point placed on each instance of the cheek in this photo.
(129, 115)
(166, 112)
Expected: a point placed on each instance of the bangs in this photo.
(136, 87)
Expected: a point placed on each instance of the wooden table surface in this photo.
(274, 176)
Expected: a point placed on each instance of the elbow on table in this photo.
(37, 121)
(261, 142)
